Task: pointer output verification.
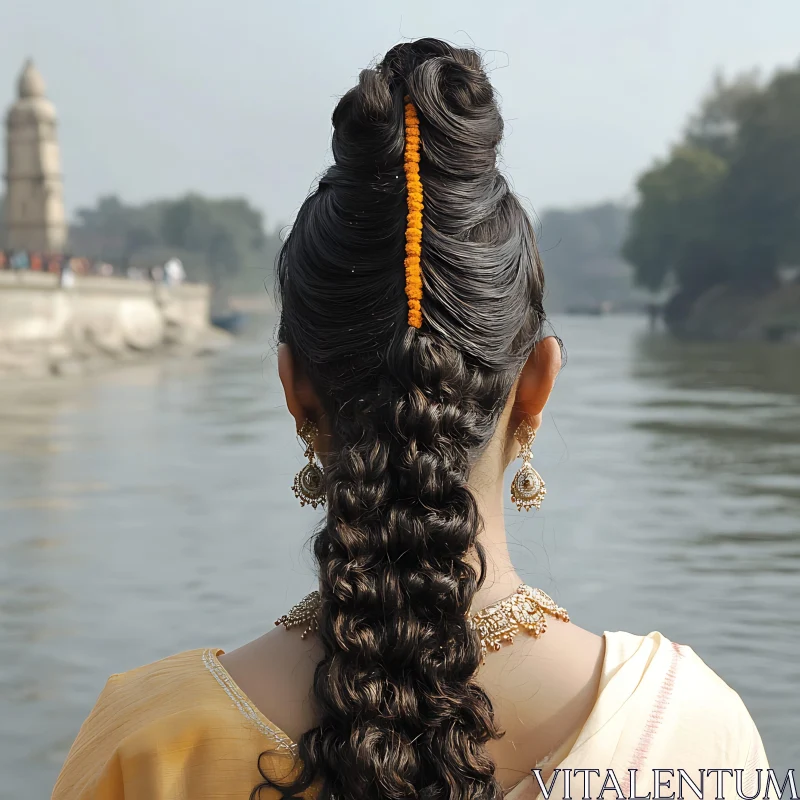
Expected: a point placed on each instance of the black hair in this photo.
(400, 712)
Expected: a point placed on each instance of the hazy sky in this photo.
(157, 97)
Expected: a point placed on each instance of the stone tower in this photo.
(34, 206)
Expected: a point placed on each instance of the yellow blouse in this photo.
(179, 728)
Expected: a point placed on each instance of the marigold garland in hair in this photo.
(414, 218)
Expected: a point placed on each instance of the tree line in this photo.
(723, 207)
(580, 249)
(226, 242)
(222, 241)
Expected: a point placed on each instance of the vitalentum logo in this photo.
(666, 784)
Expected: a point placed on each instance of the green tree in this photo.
(716, 124)
(219, 240)
(226, 232)
(725, 206)
(102, 232)
(760, 197)
(177, 219)
(138, 238)
(673, 227)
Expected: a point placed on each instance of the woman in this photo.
(416, 365)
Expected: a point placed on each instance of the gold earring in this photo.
(527, 488)
(308, 483)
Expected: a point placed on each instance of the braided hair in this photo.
(400, 712)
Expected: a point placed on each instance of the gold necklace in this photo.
(525, 610)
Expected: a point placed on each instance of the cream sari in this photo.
(659, 708)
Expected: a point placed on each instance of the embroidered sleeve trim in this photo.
(241, 702)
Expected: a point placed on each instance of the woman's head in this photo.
(407, 413)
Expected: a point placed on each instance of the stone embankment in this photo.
(98, 322)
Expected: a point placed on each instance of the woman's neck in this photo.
(501, 576)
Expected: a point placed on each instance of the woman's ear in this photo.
(301, 399)
(536, 382)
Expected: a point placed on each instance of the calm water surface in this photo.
(149, 511)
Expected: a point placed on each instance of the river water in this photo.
(148, 511)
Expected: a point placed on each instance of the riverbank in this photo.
(730, 313)
(98, 323)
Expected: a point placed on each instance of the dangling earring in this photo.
(308, 483)
(527, 488)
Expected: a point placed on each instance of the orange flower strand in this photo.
(414, 218)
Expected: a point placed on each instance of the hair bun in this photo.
(461, 123)
(367, 125)
(458, 102)
(463, 89)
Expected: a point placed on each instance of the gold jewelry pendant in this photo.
(525, 610)
(304, 614)
(308, 484)
(527, 487)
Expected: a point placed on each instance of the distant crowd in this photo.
(68, 266)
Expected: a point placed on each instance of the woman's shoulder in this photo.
(192, 685)
(674, 668)
(165, 684)
(179, 684)
(170, 676)
(676, 700)
(157, 719)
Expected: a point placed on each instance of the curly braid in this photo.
(400, 712)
